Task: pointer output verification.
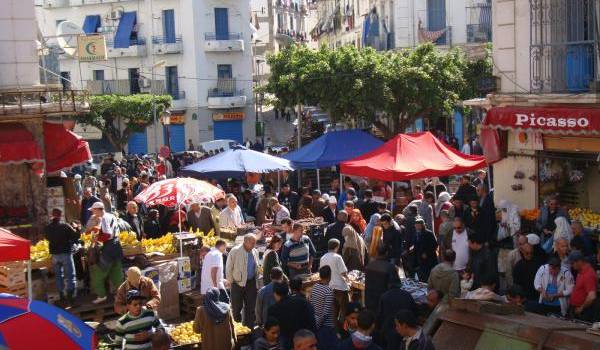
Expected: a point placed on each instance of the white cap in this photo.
(533, 239)
(332, 200)
(97, 205)
(77, 176)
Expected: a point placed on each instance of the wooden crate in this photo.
(16, 289)
(188, 303)
(87, 311)
(13, 279)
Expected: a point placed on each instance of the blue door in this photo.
(436, 18)
(138, 143)
(169, 26)
(229, 130)
(221, 23)
(177, 139)
(458, 127)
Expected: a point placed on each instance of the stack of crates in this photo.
(184, 274)
(12, 278)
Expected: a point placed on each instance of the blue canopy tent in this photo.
(333, 148)
(236, 162)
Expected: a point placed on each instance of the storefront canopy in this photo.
(412, 156)
(553, 120)
(17, 145)
(13, 247)
(64, 149)
(237, 162)
(333, 148)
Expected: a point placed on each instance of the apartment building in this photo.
(198, 51)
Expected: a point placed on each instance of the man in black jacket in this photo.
(61, 237)
(134, 220)
(329, 213)
(368, 207)
(486, 221)
(86, 203)
(392, 238)
(425, 249)
(482, 262)
(335, 230)
(380, 274)
(289, 199)
(293, 313)
(413, 336)
(390, 303)
(466, 191)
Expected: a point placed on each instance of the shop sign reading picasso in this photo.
(559, 120)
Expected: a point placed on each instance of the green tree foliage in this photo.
(352, 84)
(118, 116)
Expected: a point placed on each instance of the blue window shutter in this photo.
(123, 35)
(138, 143)
(221, 23)
(229, 130)
(91, 24)
(436, 17)
(458, 127)
(177, 137)
(172, 82)
(169, 26)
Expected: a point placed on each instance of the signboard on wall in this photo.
(177, 119)
(529, 140)
(220, 117)
(91, 48)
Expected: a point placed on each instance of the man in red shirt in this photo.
(584, 293)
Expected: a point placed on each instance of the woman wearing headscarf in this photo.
(373, 222)
(357, 221)
(509, 223)
(563, 229)
(305, 209)
(443, 203)
(215, 322)
(354, 249)
(271, 258)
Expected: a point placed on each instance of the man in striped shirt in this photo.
(135, 328)
(322, 300)
(298, 253)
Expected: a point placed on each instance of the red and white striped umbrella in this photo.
(173, 192)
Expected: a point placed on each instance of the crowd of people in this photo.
(463, 244)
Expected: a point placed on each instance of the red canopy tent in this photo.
(412, 156)
(13, 247)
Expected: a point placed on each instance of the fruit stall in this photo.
(184, 336)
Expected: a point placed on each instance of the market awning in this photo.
(13, 247)
(412, 156)
(17, 145)
(553, 120)
(64, 149)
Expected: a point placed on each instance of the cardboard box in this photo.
(169, 292)
(12, 274)
(184, 285)
(184, 267)
(152, 273)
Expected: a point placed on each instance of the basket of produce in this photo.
(40, 255)
(588, 218)
(164, 245)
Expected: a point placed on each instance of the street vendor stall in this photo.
(542, 151)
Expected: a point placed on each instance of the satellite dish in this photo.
(67, 33)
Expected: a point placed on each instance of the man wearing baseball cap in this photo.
(105, 229)
(585, 291)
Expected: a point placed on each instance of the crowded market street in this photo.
(337, 181)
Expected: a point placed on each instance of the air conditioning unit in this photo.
(116, 14)
(145, 83)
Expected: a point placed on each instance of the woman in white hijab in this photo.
(563, 229)
(443, 203)
(508, 226)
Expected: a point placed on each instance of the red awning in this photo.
(13, 247)
(553, 120)
(64, 149)
(412, 156)
(17, 145)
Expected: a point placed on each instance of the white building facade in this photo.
(198, 51)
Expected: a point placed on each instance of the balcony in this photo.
(49, 4)
(479, 33)
(161, 45)
(225, 95)
(290, 36)
(94, 2)
(125, 87)
(137, 48)
(228, 42)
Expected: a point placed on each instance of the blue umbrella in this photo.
(236, 162)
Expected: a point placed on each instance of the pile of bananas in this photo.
(587, 217)
(40, 251)
(128, 238)
(87, 239)
(209, 239)
(163, 244)
(240, 329)
(184, 334)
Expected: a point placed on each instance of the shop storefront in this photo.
(542, 151)
(228, 126)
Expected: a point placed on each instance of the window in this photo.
(169, 26)
(436, 18)
(91, 24)
(224, 71)
(98, 74)
(564, 45)
(172, 82)
(222, 23)
(65, 80)
(134, 81)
